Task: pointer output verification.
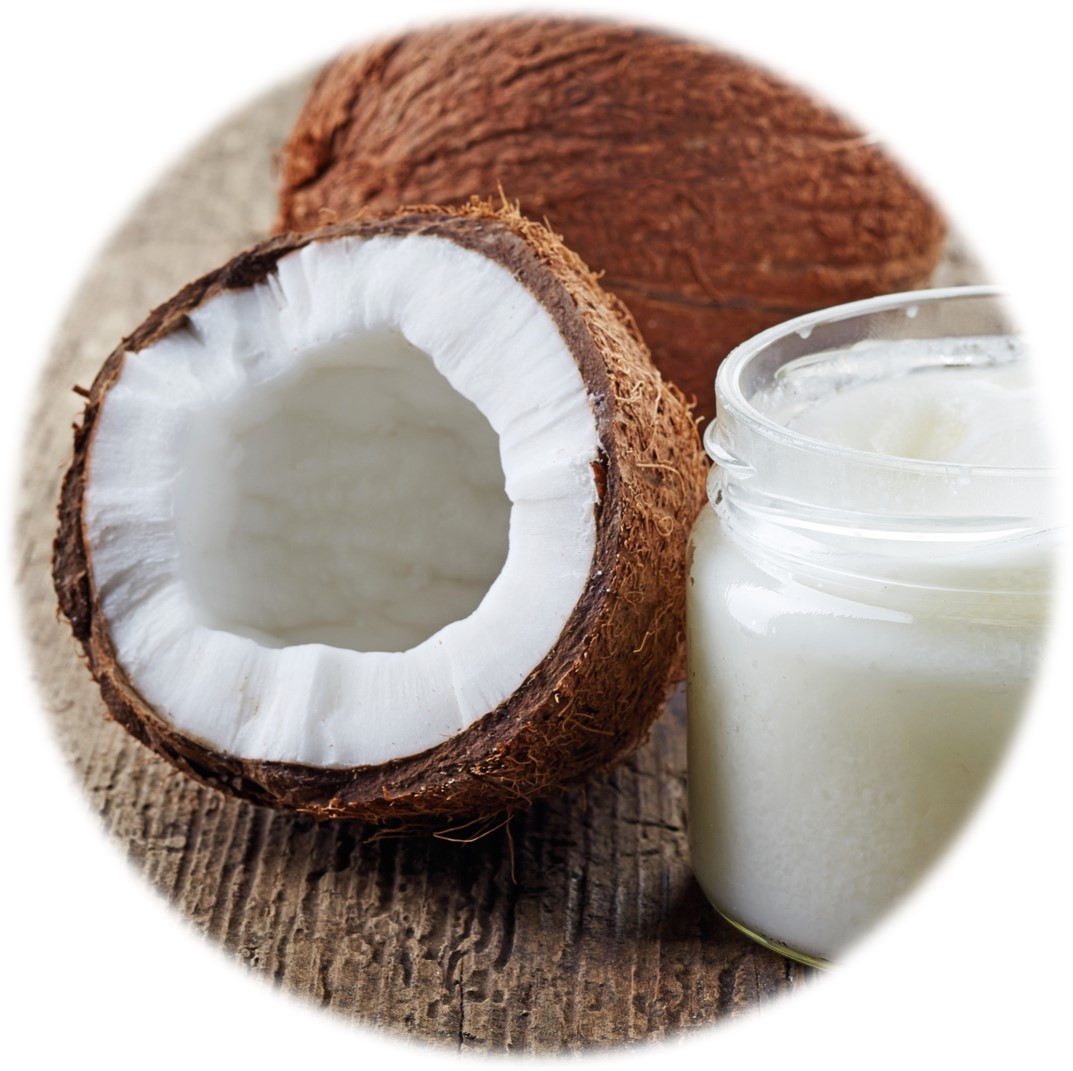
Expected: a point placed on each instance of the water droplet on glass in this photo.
(911, 311)
(804, 332)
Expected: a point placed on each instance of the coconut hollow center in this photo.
(358, 503)
(297, 505)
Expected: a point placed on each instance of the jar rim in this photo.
(732, 402)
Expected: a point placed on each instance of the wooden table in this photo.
(577, 926)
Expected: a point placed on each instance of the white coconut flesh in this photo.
(346, 511)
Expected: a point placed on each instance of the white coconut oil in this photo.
(866, 609)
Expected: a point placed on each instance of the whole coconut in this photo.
(715, 198)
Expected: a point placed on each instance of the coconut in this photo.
(714, 198)
(387, 521)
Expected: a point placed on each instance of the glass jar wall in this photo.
(867, 606)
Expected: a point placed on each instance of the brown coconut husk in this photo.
(716, 199)
(592, 698)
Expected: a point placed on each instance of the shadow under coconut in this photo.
(578, 925)
(598, 937)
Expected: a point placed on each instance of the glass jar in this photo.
(863, 628)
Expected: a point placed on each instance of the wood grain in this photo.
(579, 925)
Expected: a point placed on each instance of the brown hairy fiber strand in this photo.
(715, 199)
(592, 698)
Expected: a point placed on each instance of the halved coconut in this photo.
(385, 521)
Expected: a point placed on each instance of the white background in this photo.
(99, 98)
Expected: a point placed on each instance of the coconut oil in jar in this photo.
(867, 606)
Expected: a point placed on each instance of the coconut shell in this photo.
(591, 699)
(715, 199)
